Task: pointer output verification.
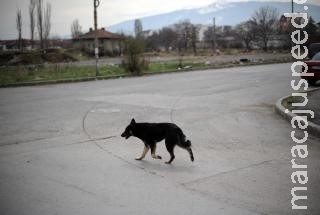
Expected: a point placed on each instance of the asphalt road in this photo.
(61, 150)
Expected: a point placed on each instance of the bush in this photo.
(134, 62)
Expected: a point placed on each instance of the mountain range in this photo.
(225, 14)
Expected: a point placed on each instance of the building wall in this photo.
(106, 46)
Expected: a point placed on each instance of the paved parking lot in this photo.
(61, 150)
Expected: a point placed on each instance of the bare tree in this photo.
(43, 22)
(194, 38)
(265, 22)
(246, 33)
(167, 37)
(184, 30)
(138, 28)
(208, 37)
(32, 8)
(19, 28)
(47, 24)
(187, 29)
(40, 22)
(75, 29)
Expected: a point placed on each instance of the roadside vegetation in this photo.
(52, 55)
(40, 73)
(71, 71)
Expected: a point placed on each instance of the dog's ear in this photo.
(133, 122)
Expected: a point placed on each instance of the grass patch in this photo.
(112, 71)
(20, 74)
(287, 103)
(174, 66)
(162, 67)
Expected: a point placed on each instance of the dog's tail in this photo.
(187, 143)
(183, 142)
(187, 146)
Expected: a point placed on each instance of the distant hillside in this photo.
(225, 13)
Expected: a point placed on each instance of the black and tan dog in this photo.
(151, 133)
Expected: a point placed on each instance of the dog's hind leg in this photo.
(153, 152)
(144, 152)
(170, 144)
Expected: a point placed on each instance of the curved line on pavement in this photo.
(84, 119)
(174, 105)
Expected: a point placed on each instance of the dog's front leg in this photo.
(153, 152)
(144, 152)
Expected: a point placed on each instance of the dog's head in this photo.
(128, 132)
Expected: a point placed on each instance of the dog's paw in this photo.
(138, 158)
(156, 156)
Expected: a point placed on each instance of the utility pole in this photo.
(96, 4)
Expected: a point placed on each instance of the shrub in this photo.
(134, 62)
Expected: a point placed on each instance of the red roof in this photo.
(101, 34)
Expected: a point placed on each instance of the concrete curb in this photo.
(281, 110)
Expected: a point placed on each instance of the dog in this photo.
(152, 133)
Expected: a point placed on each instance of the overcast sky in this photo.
(110, 12)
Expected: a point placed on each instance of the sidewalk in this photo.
(313, 105)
